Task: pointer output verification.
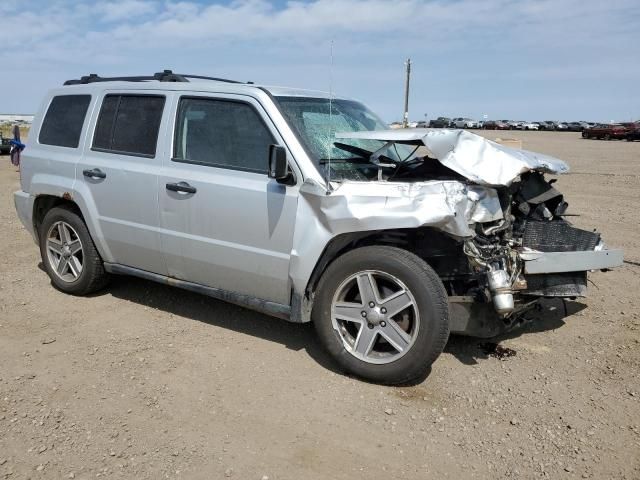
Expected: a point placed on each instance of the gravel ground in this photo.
(145, 381)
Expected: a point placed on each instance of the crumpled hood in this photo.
(476, 158)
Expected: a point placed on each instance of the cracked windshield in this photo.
(316, 121)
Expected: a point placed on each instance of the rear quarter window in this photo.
(62, 124)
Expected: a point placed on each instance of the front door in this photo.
(225, 224)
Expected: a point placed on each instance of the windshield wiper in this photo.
(361, 152)
(360, 160)
(376, 158)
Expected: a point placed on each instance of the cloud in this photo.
(466, 53)
(124, 10)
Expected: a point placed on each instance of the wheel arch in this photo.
(43, 203)
(406, 239)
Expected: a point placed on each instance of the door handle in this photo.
(182, 187)
(94, 173)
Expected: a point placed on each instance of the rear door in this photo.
(225, 224)
(119, 175)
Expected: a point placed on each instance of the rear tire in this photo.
(69, 255)
(343, 316)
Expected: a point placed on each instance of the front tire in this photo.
(68, 253)
(382, 314)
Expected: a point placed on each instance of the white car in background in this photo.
(530, 126)
(464, 123)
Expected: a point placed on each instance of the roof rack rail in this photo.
(164, 76)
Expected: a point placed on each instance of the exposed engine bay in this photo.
(482, 215)
(534, 221)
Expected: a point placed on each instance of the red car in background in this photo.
(606, 131)
(496, 125)
(633, 132)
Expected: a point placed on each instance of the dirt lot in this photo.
(145, 381)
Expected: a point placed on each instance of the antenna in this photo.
(330, 118)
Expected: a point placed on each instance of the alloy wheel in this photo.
(376, 316)
(64, 251)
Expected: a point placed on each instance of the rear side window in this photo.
(129, 124)
(63, 122)
(221, 133)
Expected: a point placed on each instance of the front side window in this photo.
(129, 124)
(62, 125)
(221, 133)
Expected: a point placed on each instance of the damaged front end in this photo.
(533, 253)
(481, 214)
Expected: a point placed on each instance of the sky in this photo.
(522, 60)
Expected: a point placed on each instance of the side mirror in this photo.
(278, 167)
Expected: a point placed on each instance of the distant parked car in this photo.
(461, 122)
(547, 125)
(440, 122)
(530, 126)
(516, 124)
(575, 126)
(5, 146)
(495, 125)
(395, 125)
(422, 124)
(633, 133)
(563, 127)
(606, 131)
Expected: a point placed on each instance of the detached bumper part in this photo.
(557, 262)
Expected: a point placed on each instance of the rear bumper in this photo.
(557, 262)
(24, 207)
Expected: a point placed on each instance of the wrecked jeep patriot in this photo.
(301, 206)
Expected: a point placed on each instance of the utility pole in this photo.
(405, 119)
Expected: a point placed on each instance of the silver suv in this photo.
(302, 206)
